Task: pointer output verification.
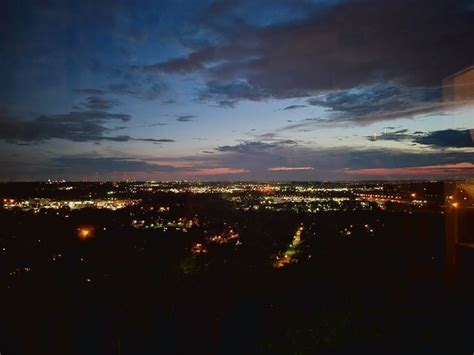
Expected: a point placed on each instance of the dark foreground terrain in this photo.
(186, 273)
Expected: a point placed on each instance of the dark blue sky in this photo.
(245, 90)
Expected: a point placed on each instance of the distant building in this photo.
(458, 89)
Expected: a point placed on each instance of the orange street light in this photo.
(85, 233)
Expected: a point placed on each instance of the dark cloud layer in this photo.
(366, 104)
(413, 42)
(449, 138)
(330, 162)
(75, 126)
(78, 126)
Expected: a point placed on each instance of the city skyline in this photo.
(253, 91)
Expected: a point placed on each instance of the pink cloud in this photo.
(290, 168)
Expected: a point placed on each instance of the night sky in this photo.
(233, 90)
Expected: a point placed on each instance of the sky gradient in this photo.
(234, 90)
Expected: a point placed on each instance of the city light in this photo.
(85, 233)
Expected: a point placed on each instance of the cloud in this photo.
(290, 168)
(228, 93)
(185, 118)
(108, 165)
(305, 124)
(448, 138)
(253, 147)
(76, 126)
(267, 161)
(128, 139)
(379, 102)
(369, 104)
(153, 124)
(444, 170)
(268, 136)
(293, 107)
(260, 158)
(163, 140)
(250, 50)
(397, 136)
(412, 43)
(192, 62)
(168, 101)
(99, 103)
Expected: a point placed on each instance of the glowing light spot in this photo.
(85, 233)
